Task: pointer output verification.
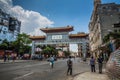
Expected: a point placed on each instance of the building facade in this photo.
(103, 20)
(9, 27)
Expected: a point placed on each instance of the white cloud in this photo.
(31, 21)
(5, 5)
(6, 2)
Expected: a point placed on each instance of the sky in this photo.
(61, 12)
(36, 14)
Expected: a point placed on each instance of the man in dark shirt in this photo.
(100, 63)
(69, 63)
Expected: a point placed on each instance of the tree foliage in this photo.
(20, 45)
(49, 50)
(4, 44)
(115, 36)
(66, 53)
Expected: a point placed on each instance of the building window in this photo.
(119, 9)
(104, 8)
(115, 30)
(4, 32)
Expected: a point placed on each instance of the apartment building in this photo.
(9, 27)
(104, 18)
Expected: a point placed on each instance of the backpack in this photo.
(69, 63)
(100, 60)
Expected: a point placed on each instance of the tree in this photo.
(22, 44)
(115, 36)
(4, 45)
(106, 38)
(66, 53)
(49, 50)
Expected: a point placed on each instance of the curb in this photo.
(16, 61)
(90, 76)
(73, 76)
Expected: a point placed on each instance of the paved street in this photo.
(39, 70)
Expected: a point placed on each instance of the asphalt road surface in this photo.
(40, 70)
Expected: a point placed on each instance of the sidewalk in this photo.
(84, 73)
(92, 76)
(17, 60)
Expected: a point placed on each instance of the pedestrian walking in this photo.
(8, 57)
(92, 64)
(13, 57)
(52, 61)
(5, 57)
(69, 64)
(100, 63)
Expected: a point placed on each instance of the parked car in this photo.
(26, 56)
(113, 65)
(37, 57)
